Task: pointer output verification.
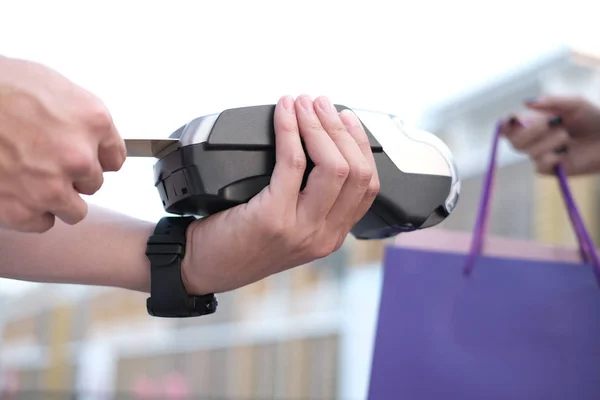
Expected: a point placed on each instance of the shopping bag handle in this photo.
(586, 245)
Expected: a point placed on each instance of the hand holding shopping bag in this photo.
(519, 322)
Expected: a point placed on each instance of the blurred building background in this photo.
(303, 334)
(298, 335)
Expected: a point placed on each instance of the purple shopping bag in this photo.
(466, 318)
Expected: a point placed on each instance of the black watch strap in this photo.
(168, 297)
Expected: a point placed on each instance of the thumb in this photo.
(558, 105)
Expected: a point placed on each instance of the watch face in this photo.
(206, 304)
(168, 296)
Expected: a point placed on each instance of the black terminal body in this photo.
(226, 161)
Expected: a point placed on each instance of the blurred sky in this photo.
(158, 64)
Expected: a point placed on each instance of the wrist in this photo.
(137, 276)
(194, 284)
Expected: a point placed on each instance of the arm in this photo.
(66, 141)
(278, 229)
(105, 249)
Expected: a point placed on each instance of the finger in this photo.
(555, 104)
(556, 139)
(330, 171)
(510, 126)
(547, 162)
(290, 164)
(581, 163)
(528, 136)
(43, 223)
(92, 183)
(71, 210)
(562, 149)
(555, 121)
(357, 131)
(112, 151)
(360, 170)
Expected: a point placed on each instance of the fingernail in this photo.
(288, 103)
(325, 105)
(349, 118)
(555, 121)
(562, 150)
(306, 103)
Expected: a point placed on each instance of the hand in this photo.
(283, 227)
(573, 142)
(56, 140)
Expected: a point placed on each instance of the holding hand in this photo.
(283, 227)
(56, 141)
(561, 130)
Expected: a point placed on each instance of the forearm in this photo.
(105, 249)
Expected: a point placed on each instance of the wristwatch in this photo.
(165, 249)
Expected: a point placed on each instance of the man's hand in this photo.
(283, 227)
(575, 142)
(56, 140)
